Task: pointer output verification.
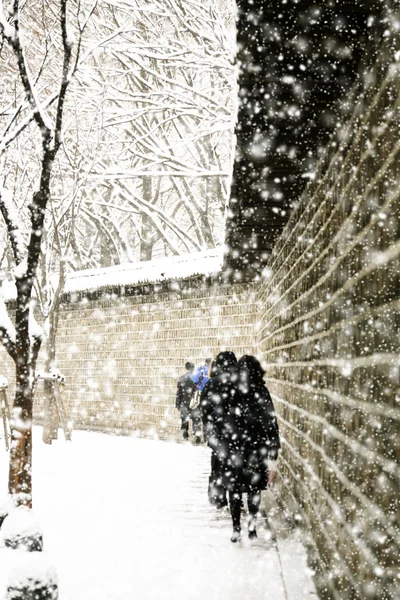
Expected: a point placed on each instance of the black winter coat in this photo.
(219, 393)
(185, 390)
(242, 431)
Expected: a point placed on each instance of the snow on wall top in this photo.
(161, 269)
(174, 267)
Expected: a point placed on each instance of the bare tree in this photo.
(40, 92)
(168, 78)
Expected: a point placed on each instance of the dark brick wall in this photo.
(329, 336)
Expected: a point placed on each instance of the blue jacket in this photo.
(200, 377)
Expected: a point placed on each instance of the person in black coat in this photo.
(253, 443)
(184, 394)
(215, 397)
(242, 432)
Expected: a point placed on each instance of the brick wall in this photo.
(122, 354)
(328, 333)
(324, 320)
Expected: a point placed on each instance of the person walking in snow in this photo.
(199, 378)
(184, 395)
(249, 444)
(215, 400)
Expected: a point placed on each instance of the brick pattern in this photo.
(324, 320)
(122, 356)
(328, 333)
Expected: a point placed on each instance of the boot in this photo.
(235, 535)
(252, 528)
(221, 501)
(253, 534)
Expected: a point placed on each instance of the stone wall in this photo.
(122, 354)
(324, 320)
(328, 334)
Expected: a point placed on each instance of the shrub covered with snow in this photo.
(27, 575)
(21, 530)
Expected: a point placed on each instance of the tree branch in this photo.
(12, 35)
(13, 228)
(7, 329)
(65, 79)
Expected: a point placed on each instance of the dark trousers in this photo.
(216, 491)
(195, 415)
(236, 504)
(186, 415)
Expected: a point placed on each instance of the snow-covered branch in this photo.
(7, 329)
(12, 35)
(13, 225)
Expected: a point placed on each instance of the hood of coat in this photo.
(225, 362)
(250, 374)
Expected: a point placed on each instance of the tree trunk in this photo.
(146, 242)
(20, 473)
(147, 231)
(50, 423)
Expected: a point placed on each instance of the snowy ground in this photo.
(129, 518)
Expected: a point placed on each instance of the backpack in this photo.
(195, 400)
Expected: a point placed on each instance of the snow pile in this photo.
(52, 375)
(23, 573)
(3, 382)
(174, 267)
(28, 571)
(19, 525)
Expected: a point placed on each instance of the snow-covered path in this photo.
(127, 518)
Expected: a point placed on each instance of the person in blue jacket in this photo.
(184, 396)
(200, 376)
